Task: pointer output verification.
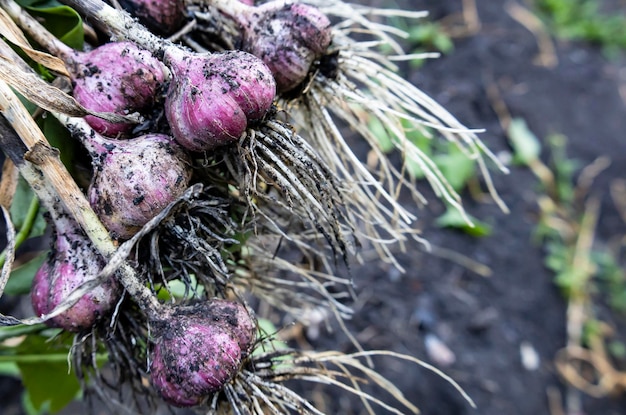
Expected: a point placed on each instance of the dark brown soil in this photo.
(485, 321)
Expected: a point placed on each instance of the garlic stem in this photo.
(40, 165)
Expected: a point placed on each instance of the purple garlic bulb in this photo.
(198, 349)
(288, 37)
(135, 179)
(231, 315)
(163, 17)
(212, 98)
(116, 77)
(72, 261)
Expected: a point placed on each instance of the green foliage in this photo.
(559, 259)
(62, 21)
(424, 36)
(25, 211)
(563, 168)
(583, 20)
(29, 223)
(430, 36)
(613, 279)
(45, 373)
(40, 359)
(456, 167)
(178, 289)
(526, 145)
(617, 349)
(21, 278)
(267, 332)
(9, 369)
(561, 222)
(452, 218)
(59, 137)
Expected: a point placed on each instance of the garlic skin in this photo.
(162, 17)
(198, 349)
(229, 315)
(214, 97)
(288, 37)
(72, 261)
(116, 77)
(136, 179)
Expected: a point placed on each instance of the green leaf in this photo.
(456, 167)
(564, 168)
(178, 289)
(421, 141)
(9, 369)
(617, 349)
(526, 145)
(454, 219)
(380, 132)
(62, 21)
(21, 278)
(270, 343)
(430, 36)
(29, 407)
(20, 209)
(8, 332)
(45, 373)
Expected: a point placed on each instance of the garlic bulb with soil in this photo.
(72, 262)
(213, 98)
(134, 179)
(163, 17)
(198, 349)
(288, 37)
(116, 77)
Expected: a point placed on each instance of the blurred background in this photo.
(527, 309)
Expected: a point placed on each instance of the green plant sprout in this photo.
(583, 271)
(583, 20)
(456, 167)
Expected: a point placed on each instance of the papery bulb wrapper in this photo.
(72, 261)
(116, 77)
(213, 98)
(198, 349)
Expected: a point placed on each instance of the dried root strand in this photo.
(296, 283)
(259, 387)
(366, 82)
(275, 169)
(194, 242)
(120, 385)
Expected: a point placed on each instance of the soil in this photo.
(485, 322)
